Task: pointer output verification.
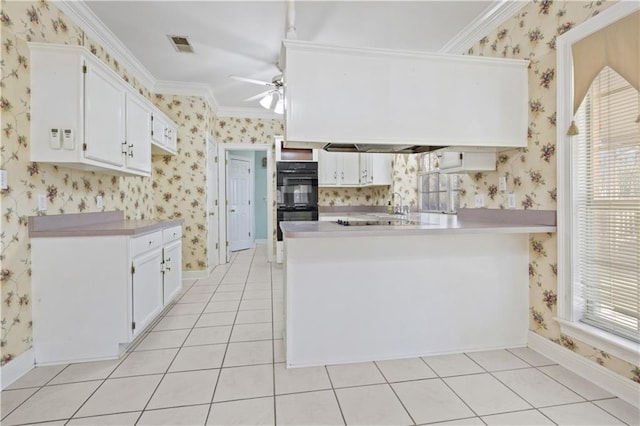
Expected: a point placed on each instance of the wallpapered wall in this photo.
(531, 171)
(67, 190)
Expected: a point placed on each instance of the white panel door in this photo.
(212, 205)
(239, 208)
(104, 117)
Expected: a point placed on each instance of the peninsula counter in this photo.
(442, 284)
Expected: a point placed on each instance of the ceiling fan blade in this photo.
(250, 80)
(258, 96)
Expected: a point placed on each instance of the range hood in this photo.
(364, 147)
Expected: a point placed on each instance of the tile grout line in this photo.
(224, 356)
(394, 392)
(335, 395)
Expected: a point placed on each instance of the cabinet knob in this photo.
(150, 242)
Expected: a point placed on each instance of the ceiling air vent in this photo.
(181, 43)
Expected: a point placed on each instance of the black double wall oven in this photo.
(297, 191)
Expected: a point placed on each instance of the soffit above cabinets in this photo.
(244, 38)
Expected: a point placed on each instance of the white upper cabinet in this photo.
(83, 115)
(104, 114)
(138, 131)
(375, 96)
(353, 169)
(164, 136)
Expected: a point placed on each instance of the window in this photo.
(438, 192)
(606, 175)
(599, 181)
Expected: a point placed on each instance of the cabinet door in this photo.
(146, 292)
(349, 168)
(159, 128)
(381, 168)
(366, 168)
(327, 168)
(172, 138)
(104, 132)
(172, 270)
(138, 134)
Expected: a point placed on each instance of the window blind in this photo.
(606, 176)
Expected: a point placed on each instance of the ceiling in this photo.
(244, 37)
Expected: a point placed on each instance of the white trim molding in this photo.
(17, 368)
(496, 14)
(567, 316)
(617, 346)
(84, 17)
(620, 386)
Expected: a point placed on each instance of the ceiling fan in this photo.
(272, 98)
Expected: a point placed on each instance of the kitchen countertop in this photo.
(94, 224)
(468, 221)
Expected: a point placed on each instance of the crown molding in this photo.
(84, 17)
(186, 89)
(248, 112)
(494, 15)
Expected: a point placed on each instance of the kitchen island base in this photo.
(365, 298)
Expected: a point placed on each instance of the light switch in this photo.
(479, 200)
(99, 203)
(511, 201)
(42, 202)
(4, 184)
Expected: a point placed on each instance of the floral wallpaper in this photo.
(67, 190)
(531, 171)
(179, 181)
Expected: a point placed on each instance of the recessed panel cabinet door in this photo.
(104, 99)
(172, 270)
(146, 288)
(138, 135)
(349, 168)
(327, 168)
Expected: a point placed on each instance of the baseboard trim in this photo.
(608, 380)
(17, 368)
(195, 275)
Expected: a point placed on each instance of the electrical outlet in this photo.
(42, 202)
(502, 183)
(4, 184)
(479, 200)
(511, 201)
(99, 202)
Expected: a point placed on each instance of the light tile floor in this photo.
(216, 357)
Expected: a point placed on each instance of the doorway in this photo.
(240, 199)
(225, 151)
(213, 256)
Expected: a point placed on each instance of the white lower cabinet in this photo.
(146, 280)
(93, 295)
(172, 263)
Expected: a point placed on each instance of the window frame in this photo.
(567, 312)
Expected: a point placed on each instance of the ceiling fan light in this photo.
(279, 108)
(267, 100)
